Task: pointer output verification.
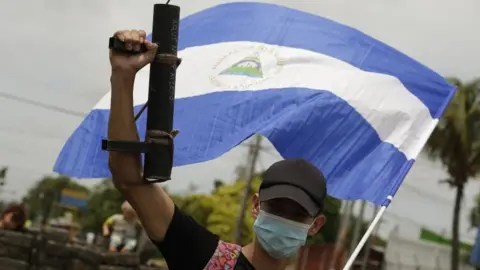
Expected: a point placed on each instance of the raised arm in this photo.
(153, 205)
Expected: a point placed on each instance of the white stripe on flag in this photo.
(397, 115)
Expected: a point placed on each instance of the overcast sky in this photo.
(54, 52)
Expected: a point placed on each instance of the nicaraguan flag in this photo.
(358, 109)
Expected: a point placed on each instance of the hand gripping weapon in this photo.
(158, 144)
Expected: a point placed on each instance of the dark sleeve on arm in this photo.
(187, 244)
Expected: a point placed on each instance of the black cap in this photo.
(297, 180)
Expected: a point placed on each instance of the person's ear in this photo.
(317, 225)
(255, 205)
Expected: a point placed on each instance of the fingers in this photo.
(120, 35)
(142, 35)
(150, 45)
(133, 39)
(152, 51)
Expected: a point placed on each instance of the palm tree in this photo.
(456, 143)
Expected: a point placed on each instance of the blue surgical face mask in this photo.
(279, 237)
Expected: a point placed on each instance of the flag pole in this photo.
(367, 234)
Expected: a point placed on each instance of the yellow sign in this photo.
(74, 194)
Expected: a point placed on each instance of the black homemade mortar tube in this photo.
(161, 95)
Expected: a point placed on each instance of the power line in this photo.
(29, 133)
(41, 105)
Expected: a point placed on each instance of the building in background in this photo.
(406, 254)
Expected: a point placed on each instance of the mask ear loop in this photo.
(311, 224)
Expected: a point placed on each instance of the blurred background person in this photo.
(122, 229)
(14, 217)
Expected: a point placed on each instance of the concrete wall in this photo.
(51, 249)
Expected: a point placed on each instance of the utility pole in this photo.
(253, 153)
(358, 226)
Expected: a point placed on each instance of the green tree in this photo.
(227, 199)
(103, 202)
(217, 183)
(3, 175)
(43, 198)
(474, 215)
(218, 211)
(199, 207)
(456, 143)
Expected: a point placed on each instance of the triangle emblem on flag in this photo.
(249, 66)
